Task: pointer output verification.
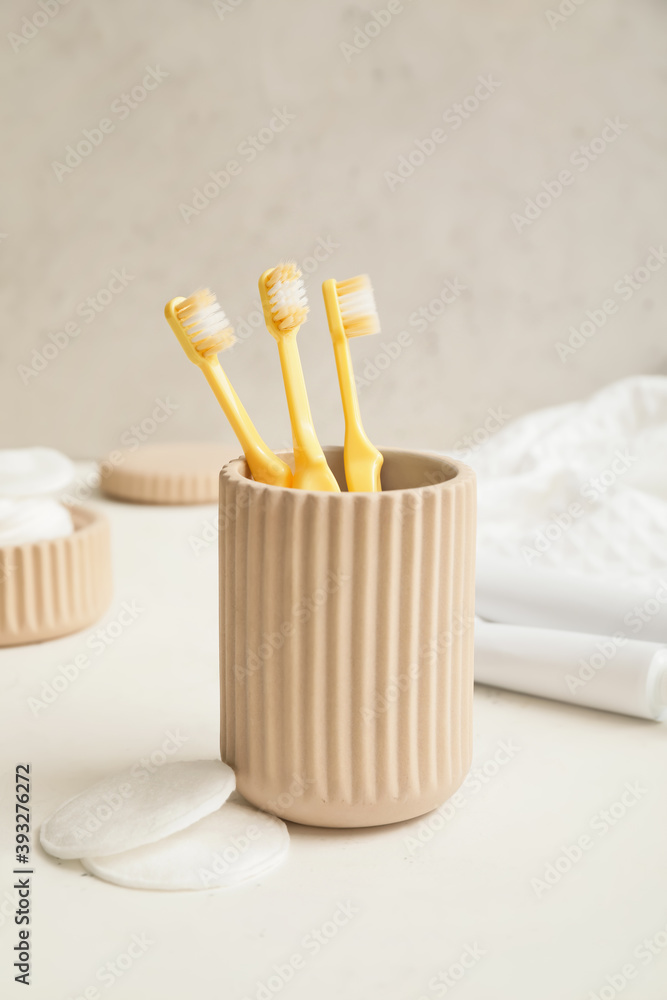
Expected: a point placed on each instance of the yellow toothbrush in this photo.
(285, 308)
(202, 330)
(351, 312)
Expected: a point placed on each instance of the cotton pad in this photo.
(136, 807)
(233, 845)
(23, 521)
(29, 472)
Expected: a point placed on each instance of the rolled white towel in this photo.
(548, 598)
(596, 671)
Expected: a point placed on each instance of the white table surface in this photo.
(417, 908)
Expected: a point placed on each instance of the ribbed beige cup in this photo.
(347, 641)
(58, 586)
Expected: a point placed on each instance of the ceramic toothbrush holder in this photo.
(346, 641)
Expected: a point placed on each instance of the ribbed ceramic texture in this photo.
(166, 473)
(347, 641)
(54, 587)
(158, 489)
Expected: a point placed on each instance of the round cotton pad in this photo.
(233, 845)
(29, 472)
(136, 807)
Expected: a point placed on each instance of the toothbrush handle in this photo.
(307, 450)
(362, 459)
(348, 392)
(265, 466)
(354, 430)
(363, 475)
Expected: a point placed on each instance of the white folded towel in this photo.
(573, 514)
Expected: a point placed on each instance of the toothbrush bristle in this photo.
(205, 323)
(357, 306)
(287, 296)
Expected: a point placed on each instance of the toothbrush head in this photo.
(356, 302)
(200, 325)
(283, 299)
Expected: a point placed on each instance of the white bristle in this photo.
(357, 307)
(287, 296)
(205, 323)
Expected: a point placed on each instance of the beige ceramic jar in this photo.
(58, 586)
(346, 638)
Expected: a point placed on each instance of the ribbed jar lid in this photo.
(166, 473)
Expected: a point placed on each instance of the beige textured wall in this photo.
(321, 181)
